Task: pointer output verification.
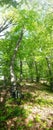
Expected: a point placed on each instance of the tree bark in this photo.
(37, 74)
(50, 74)
(13, 77)
(30, 64)
(21, 70)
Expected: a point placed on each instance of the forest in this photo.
(26, 65)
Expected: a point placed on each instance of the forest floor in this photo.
(34, 113)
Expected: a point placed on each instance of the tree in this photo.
(30, 47)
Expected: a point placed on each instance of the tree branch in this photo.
(5, 25)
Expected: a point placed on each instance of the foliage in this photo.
(36, 48)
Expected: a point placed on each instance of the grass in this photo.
(2, 118)
(44, 102)
(30, 123)
(29, 113)
(37, 118)
(15, 112)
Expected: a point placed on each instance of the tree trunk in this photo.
(37, 74)
(21, 70)
(12, 73)
(50, 74)
(30, 64)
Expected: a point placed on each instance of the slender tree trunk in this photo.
(21, 70)
(30, 64)
(6, 73)
(50, 74)
(5, 81)
(37, 74)
(13, 77)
